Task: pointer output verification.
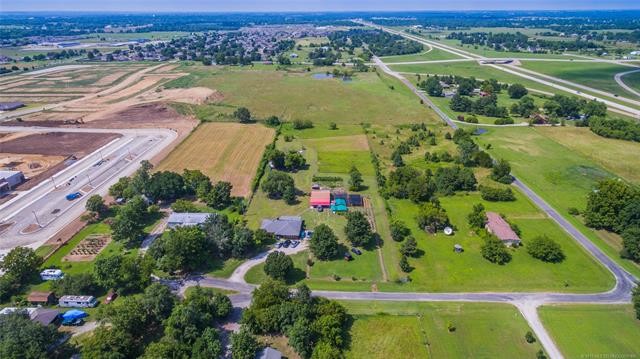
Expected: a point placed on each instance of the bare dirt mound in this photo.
(193, 95)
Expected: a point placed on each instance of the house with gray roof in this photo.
(284, 227)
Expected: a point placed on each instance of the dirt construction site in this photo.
(117, 96)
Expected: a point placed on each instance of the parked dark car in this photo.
(347, 256)
(76, 322)
(286, 243)
(356, 251)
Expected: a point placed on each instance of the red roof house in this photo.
(320, 198)
(497, 226)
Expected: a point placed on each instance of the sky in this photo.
(307, 5)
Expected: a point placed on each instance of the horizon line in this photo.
(310, 11)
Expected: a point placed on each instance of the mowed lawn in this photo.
(561, 176)
(420, 330)
(224, 152)
(593, 331)
(597, 75)
(369, 97)
(441, 269)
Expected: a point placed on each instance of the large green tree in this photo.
(22, 338)
(128, 225)
(545, 249)
(182, 248)
(501, 172)
(278, 265)
(495, 251)
(358, 229)
(277, 183)
(355, 179)
(243, 345)
(324, 243)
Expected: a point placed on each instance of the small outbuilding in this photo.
(320, 198)
(41, 298)
(355, 200)
(339, 206)
(497, 226)
(289, 227)
(45, 316)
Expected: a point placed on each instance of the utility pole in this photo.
(37, 221)
(89, 178)
(54, 183)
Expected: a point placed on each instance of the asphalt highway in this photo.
(38, 214)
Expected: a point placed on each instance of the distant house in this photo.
(269, 353)
(186, 219)
(10, 180)
(51, 274)
(10, 106)
(288, 227)
(497, 226)
(41, 298)
(320, 198)
(77, 301)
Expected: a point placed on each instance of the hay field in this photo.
(223, 151)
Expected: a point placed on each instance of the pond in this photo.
(322, 76)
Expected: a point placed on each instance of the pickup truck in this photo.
(74, 195)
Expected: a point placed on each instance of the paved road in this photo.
(618, 78)
(38, 214)
(530, 75)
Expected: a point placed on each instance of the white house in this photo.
(186, 219)
(51, 274)
(77, 301)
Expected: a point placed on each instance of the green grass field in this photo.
(419, 330)
(434, 54)
(559, 175)
(617, 156)
(593, 331)
(441, 269)
(291, 95)
(593, 74)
